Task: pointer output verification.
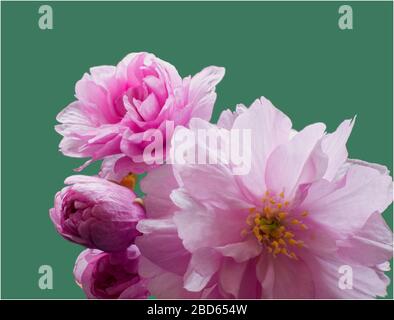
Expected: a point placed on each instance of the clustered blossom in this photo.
(119, 110)
(283, 230)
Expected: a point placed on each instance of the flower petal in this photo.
(284, 278)
(202, 93)
(345, 207)
(203, 264)
(241, 251)
(270, 128)
(293, 163)
(218, 227)
(161, 244)
(239, 279)
(157, 185)
(370, 246)
(334, 145)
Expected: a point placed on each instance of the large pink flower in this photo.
(120, 110)
(290, 228)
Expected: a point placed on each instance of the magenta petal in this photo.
(149, 108)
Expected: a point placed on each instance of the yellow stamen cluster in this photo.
(271, 225)
(129, 181)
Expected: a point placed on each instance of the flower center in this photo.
(129, 181)
(271, 225)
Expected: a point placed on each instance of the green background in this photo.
(292, 53)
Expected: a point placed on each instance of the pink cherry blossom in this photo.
(120, 109)
(97, 213)
(284, 230)
(105, 275)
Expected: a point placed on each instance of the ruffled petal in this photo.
(296, 162)
(346, 205)
(202, 93)
(269, 128)
(334, 145)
